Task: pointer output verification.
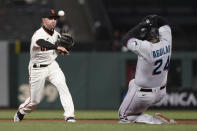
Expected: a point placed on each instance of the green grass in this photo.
(80, 114)
(61, 126)
(95, 114)
(58, 114)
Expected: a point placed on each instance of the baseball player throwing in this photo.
(43, 66)
(151, 40)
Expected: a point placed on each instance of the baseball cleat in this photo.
(164, 119)
(18, 117)
(71, 119)
(124, 121)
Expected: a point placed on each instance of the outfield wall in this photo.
(99, 80)
(94, 79)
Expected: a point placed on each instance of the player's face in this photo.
(49, 23)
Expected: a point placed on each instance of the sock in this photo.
(20, 116)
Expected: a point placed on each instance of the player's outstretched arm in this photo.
(62, 50)
(45, 44)
(49, 46)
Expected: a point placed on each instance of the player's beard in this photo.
(52, 26)
(49, 25)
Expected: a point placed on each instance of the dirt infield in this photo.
(98, 121)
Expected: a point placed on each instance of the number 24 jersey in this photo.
(153, 59)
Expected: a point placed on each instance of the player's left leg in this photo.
(127, 104)
(139, 103)
(57, 78)
(158, 118)
(36, 86)
(144, 101)
(136, 103)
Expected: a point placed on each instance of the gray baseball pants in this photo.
(136, 102)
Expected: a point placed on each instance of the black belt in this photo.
(37, 66)
(150, 90)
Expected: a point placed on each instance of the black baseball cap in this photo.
(50, 14)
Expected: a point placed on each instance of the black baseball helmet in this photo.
(152, 33)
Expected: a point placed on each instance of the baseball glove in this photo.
(66, 41)
(152, 19)
(147, 23)
(142, 33)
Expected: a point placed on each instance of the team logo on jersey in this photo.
(53, 11)
(137, 46)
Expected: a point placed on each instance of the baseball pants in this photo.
(37, 77)
(136, 102)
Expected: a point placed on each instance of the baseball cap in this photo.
(50, 14)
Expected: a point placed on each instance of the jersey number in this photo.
(158, 64)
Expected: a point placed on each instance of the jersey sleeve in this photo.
(37, 36)
(165, 33)
(139, 47)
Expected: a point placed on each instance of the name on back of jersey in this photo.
(161, 51)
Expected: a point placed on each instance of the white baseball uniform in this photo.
(43, 66)
(149, 85)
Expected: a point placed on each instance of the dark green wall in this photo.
(95, 80)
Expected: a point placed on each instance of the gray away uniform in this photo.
(149, 85)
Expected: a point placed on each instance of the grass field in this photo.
(60, 125)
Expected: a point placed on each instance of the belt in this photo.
(38, 66)
(150, 90)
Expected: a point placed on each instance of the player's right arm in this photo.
(39, 42)
(49, 46)
(161, 21)
(45, 44)
(164, 29)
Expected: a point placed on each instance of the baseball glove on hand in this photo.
(66, 41)
(152, 20)
(147, 23)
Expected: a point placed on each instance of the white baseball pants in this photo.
(37, 77)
